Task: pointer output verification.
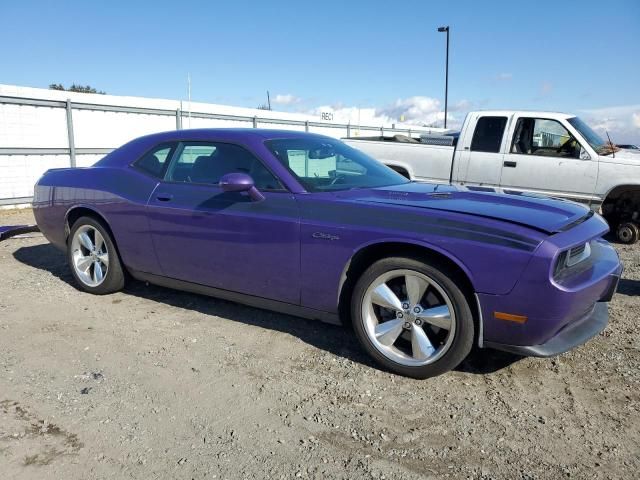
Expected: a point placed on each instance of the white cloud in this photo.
(416, 110)
(546, 88)
(503, 77)
(286, 99)
(461, 106)
(622, 123)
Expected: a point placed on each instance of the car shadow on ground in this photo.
(334, 339)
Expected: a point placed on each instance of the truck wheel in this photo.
(628, 233)
(412, 317)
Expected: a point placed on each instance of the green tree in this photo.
(76, 88)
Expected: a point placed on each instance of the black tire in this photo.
(449, 281)
(628, 233)
(114, 279)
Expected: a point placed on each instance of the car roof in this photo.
(231, 134)
(123, 155)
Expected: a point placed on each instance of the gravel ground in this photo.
(153, 383)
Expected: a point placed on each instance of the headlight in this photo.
(571, 257)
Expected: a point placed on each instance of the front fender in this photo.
(426, 246)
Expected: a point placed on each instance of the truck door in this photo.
(479, 157)
(543, 156)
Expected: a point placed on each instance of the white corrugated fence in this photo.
(42, 129)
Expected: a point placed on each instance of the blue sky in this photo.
(386, 56)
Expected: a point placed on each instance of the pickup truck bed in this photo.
(404, 157)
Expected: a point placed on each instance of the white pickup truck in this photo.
(546, 153)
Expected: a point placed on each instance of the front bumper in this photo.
(569, 337)
(554, 316)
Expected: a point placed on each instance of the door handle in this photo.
(510, 163)
(164, 197)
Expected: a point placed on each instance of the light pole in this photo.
(446, 75)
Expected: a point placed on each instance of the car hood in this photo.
(631, 157)
(540, 213)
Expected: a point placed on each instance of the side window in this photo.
(183, 168)
(488, 134)
(299, 162)
(544, 137)
(205, 162)
(155, 161)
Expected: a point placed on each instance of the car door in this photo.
(543, 156)
(224, 239)
(479, 155)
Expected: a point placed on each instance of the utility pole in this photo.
(446, 75)
(189, 95)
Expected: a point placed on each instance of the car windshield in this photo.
(324, 164)
(597, 143)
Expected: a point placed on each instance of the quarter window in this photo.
(544, 137)
(488, 134)
(155, 161)
(205, 162)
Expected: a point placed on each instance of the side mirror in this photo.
(240, 182)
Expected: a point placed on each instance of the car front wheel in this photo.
(412, 317)
(93, 257)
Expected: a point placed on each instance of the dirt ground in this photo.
(153, 383)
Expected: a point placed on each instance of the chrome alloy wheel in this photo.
(408, 317)
(90, 256)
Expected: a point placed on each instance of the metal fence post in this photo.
(410, 132)
(349, 130)
(306, 125)
(72, 143)
(255, 122)
(178, 119)
(382, 131)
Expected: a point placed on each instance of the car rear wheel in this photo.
(412, 317)
(93, 257)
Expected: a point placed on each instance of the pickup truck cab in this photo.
(548, 153)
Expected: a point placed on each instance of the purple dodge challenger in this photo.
(303, 224)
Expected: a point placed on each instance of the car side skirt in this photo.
(242, 298)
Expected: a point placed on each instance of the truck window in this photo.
(544, 137)
(488, 134)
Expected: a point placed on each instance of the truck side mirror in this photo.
(584, 155)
